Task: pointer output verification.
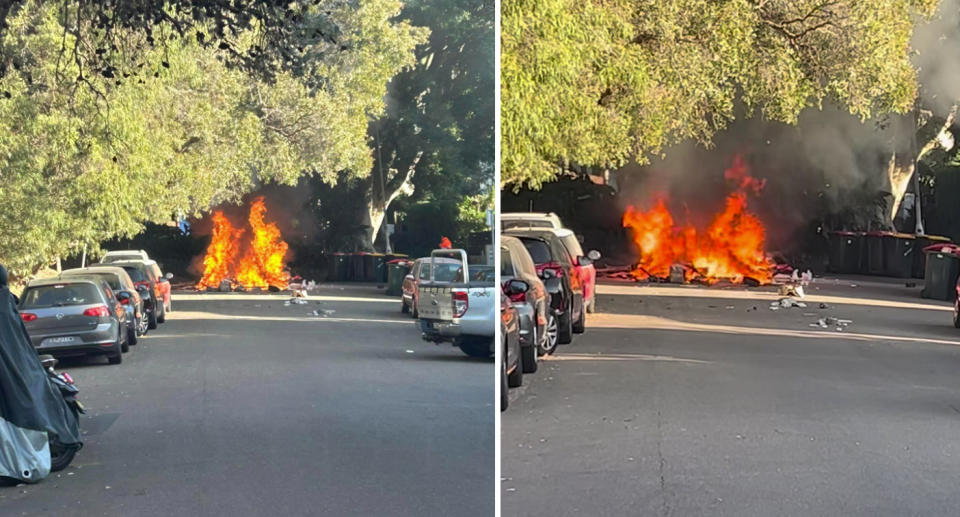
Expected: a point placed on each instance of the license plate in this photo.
(60, 340)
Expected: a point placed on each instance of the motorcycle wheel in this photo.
(60, 456)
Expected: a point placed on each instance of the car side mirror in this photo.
(584, 261)
(548, 273)
(124, 297)
(142, 288)
(516, 286)
(168, 276)
(593, 255)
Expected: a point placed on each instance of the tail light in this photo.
(141, 283)
(125, 301)
(66, 376)
(97, 312)
(461, 302)
(28, 316)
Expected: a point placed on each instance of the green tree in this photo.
(84, 161)
(597, 83)
(436, 140)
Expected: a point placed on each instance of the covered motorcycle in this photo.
(34, 418)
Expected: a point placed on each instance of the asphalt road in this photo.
(697, 401)
(239, 405)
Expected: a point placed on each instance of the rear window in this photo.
(60, 295)
(447, 273)
(539, 250)
(525, 224)
(135, 274)
(109, 278)
(482, 274)
(118, 258)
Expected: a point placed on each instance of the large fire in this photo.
(262, 264)
(731, 248)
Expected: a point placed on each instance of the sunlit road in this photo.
(693, 401)
(239, 406)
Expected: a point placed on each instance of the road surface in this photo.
(693, 401)
(239, 405)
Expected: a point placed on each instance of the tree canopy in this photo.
(597, 83)
(85, 157)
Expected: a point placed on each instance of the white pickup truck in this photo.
(458, 305)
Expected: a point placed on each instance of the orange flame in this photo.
(223, 248)
(262, 264)
(732, 247)
(445, 243)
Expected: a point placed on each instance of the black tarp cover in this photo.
(28, 401)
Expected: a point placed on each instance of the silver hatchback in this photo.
(74, 317)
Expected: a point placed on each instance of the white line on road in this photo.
(277, 297)
(197, 315)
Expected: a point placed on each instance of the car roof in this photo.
(440, 260)
(127, 252)
(96, 270)
(539, 232)
(42, 282)
(147, 262)
(529, 215)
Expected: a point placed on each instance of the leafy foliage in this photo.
(600, 82)
(84, 164)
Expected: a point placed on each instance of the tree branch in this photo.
(401, 181)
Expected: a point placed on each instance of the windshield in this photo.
(60, 295)
(539, 250)
(506, 263)
(447, 272)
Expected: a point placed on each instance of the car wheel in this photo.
(143, 323)
(162, 317)
(416, 313)
(515, 378)
(504, 395)
(152, 320)
(116, 357)
(529, 356)
(60, 456)
(404, 308)
(475, 347)
(132, 336)
(122, 342)
(956, 313)
(549, 343)
(565, 334)
(580, 325)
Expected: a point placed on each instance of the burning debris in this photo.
(731, 248)
(261, 265)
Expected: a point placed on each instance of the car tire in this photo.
(416, 313)
(152, 320)
(551, 337)
(162, 317)
(132, 336)
(404, 308)
(116, 357)
(956, 313)
(529, 357)
(515, 378)
(122, 343)
(581, 324)
(474, 347)
(504, 395)
(143, 324)
(565, 332)
(60, 456)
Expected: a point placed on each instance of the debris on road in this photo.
(786, 303)
(840, 324)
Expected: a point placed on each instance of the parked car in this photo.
(538, 325)
(120, 255)
(529, 220)
(125, 291)
(148, 285)
(164, 281)
(459, 308)
(553, 260)
(78, 316)
(447, 270)
(511, 365)
(587, 272)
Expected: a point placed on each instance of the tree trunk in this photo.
(383, 187)
(903, 164)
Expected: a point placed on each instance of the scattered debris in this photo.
(824, 306)
(911, 284)
(730, 307)
(786, 303)
(409, 351)
(832, 322)
(791, 290)
(296, 300)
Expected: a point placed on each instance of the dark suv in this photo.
(148, 285)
